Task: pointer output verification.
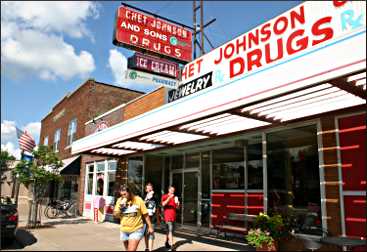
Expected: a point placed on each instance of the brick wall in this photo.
(145, 103)
(111, 119)
(82, 104)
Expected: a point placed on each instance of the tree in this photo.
(36, 175)
(5, 159)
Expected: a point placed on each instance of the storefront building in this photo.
(65, 124)
(101, 175)
(269, 134)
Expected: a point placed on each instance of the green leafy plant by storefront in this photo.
(267, 232)
(261, 240)
(36, 175)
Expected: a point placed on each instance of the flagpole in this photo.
(18, 183)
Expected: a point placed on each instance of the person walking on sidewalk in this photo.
(151, 204)
(170, 203)
(131, 210)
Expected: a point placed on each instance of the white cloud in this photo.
(32, 38)
(33, 128)
(7, 127)
(10, 147)
(9, 139)
(48, 55)
(117, 62)
(65, 17)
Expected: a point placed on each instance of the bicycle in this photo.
(57, 208)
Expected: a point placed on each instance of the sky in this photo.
(50, 48)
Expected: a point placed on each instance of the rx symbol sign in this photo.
(350, 19)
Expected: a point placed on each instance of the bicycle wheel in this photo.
(51, 212)
(71, 210)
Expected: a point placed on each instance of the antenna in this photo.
(202, 27)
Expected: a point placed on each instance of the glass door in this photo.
(186, 184)
(190, 199)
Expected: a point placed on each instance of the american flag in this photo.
(26, 141)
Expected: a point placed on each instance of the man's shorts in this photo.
(136, 235)
(170, 226)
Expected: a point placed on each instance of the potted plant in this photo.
(273, 226)
(261, 240)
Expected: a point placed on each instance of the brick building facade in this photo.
(89, 100)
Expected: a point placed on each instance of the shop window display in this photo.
(293, 177)
(135, 174)
(228, 168)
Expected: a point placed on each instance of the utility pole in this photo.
(201, 31)
(194, 23)
(202, 26)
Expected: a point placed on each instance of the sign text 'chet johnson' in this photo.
(297, 30)
(154, 65)
(141, 32)
(191, 87)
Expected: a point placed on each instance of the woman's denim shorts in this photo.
(136, 235)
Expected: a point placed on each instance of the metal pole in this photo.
(194, 24)
(17, 184)
(202, 25)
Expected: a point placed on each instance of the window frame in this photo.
(71, 135)
(44, 141)
(56, 144)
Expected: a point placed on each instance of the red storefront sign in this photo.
(139, 31)
(154, 65)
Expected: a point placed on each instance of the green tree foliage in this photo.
(5, 159)
(42, 170)
(38, 173)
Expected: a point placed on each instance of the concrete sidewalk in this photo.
(81, 234)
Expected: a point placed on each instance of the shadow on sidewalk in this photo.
(189, 238)
(23, 238)
(176, 245)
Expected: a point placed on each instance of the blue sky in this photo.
(52, 48)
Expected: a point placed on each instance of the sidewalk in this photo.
(81, 234)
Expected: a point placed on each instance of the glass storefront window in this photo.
(205, 175)
(111, 183)
(255, 163)
(205, 189)
(293, 177)
(100, 184)
(177, 162)
(101, 166)
(153, 173)
(90, 169)
(228, 168)
(112, 165)
(192, 160)
(135, 174)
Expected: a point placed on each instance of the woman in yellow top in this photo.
(131, 210)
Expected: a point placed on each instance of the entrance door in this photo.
(190, 199)
(186, 184)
